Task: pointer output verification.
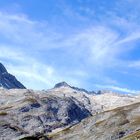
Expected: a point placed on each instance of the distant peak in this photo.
(7, 80)
(110, 92)
(62, 84)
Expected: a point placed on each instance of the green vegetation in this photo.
(136, 121)
(99, 122)
(34, 138)
(6, 107)
(29, 138)
(133, 136)
(54, 135)
(30, 99)
(3, 113)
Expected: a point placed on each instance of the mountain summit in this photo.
(7, 80)
(66, 85)
(61, 84)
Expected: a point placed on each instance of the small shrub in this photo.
(3, 113)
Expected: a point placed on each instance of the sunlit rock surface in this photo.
(66, 113)
(122, 123)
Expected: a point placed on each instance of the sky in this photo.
(87, 43)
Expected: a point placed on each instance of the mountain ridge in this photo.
(64, 112)
(7, 80)
(65, 84)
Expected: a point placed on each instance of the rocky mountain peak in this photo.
(7, 80)
(62, 84)
(77, 89)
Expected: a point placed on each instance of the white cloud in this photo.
(101, 46)
(20, 31)
(97, 48)
(134, 64)
(33, 73)
(9, 52)
(112, 87)
(99, 43)
(132, 37)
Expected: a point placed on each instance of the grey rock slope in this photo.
(27, 113)
(95, 103)
(7, 80)
(64, 84)
(122, 123)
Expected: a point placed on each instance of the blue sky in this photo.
(91, 44)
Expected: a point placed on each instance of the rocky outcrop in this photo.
(27, 112)
(7, 80)
(122, 123)
(64, 84)
(95, 103)
(61, 84)
(66, 113)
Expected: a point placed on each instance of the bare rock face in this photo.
(7, 80)
(61, 84)
(95, 102)
(64, 113)
(26, 112)
(122, 123)
(64, 84)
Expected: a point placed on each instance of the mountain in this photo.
(61, 84)
(64, 84)
(95, 102)
(65, 112)
(121, 123)
(26, 112)
(7, 80)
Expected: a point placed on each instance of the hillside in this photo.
(26, 113)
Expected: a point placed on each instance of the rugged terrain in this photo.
(26, 112)
(7, 80)
(66, 113)
(119, 123)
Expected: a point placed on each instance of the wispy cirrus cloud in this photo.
(40, 55)
(21, 40)
(119, 89)
(32, 72)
